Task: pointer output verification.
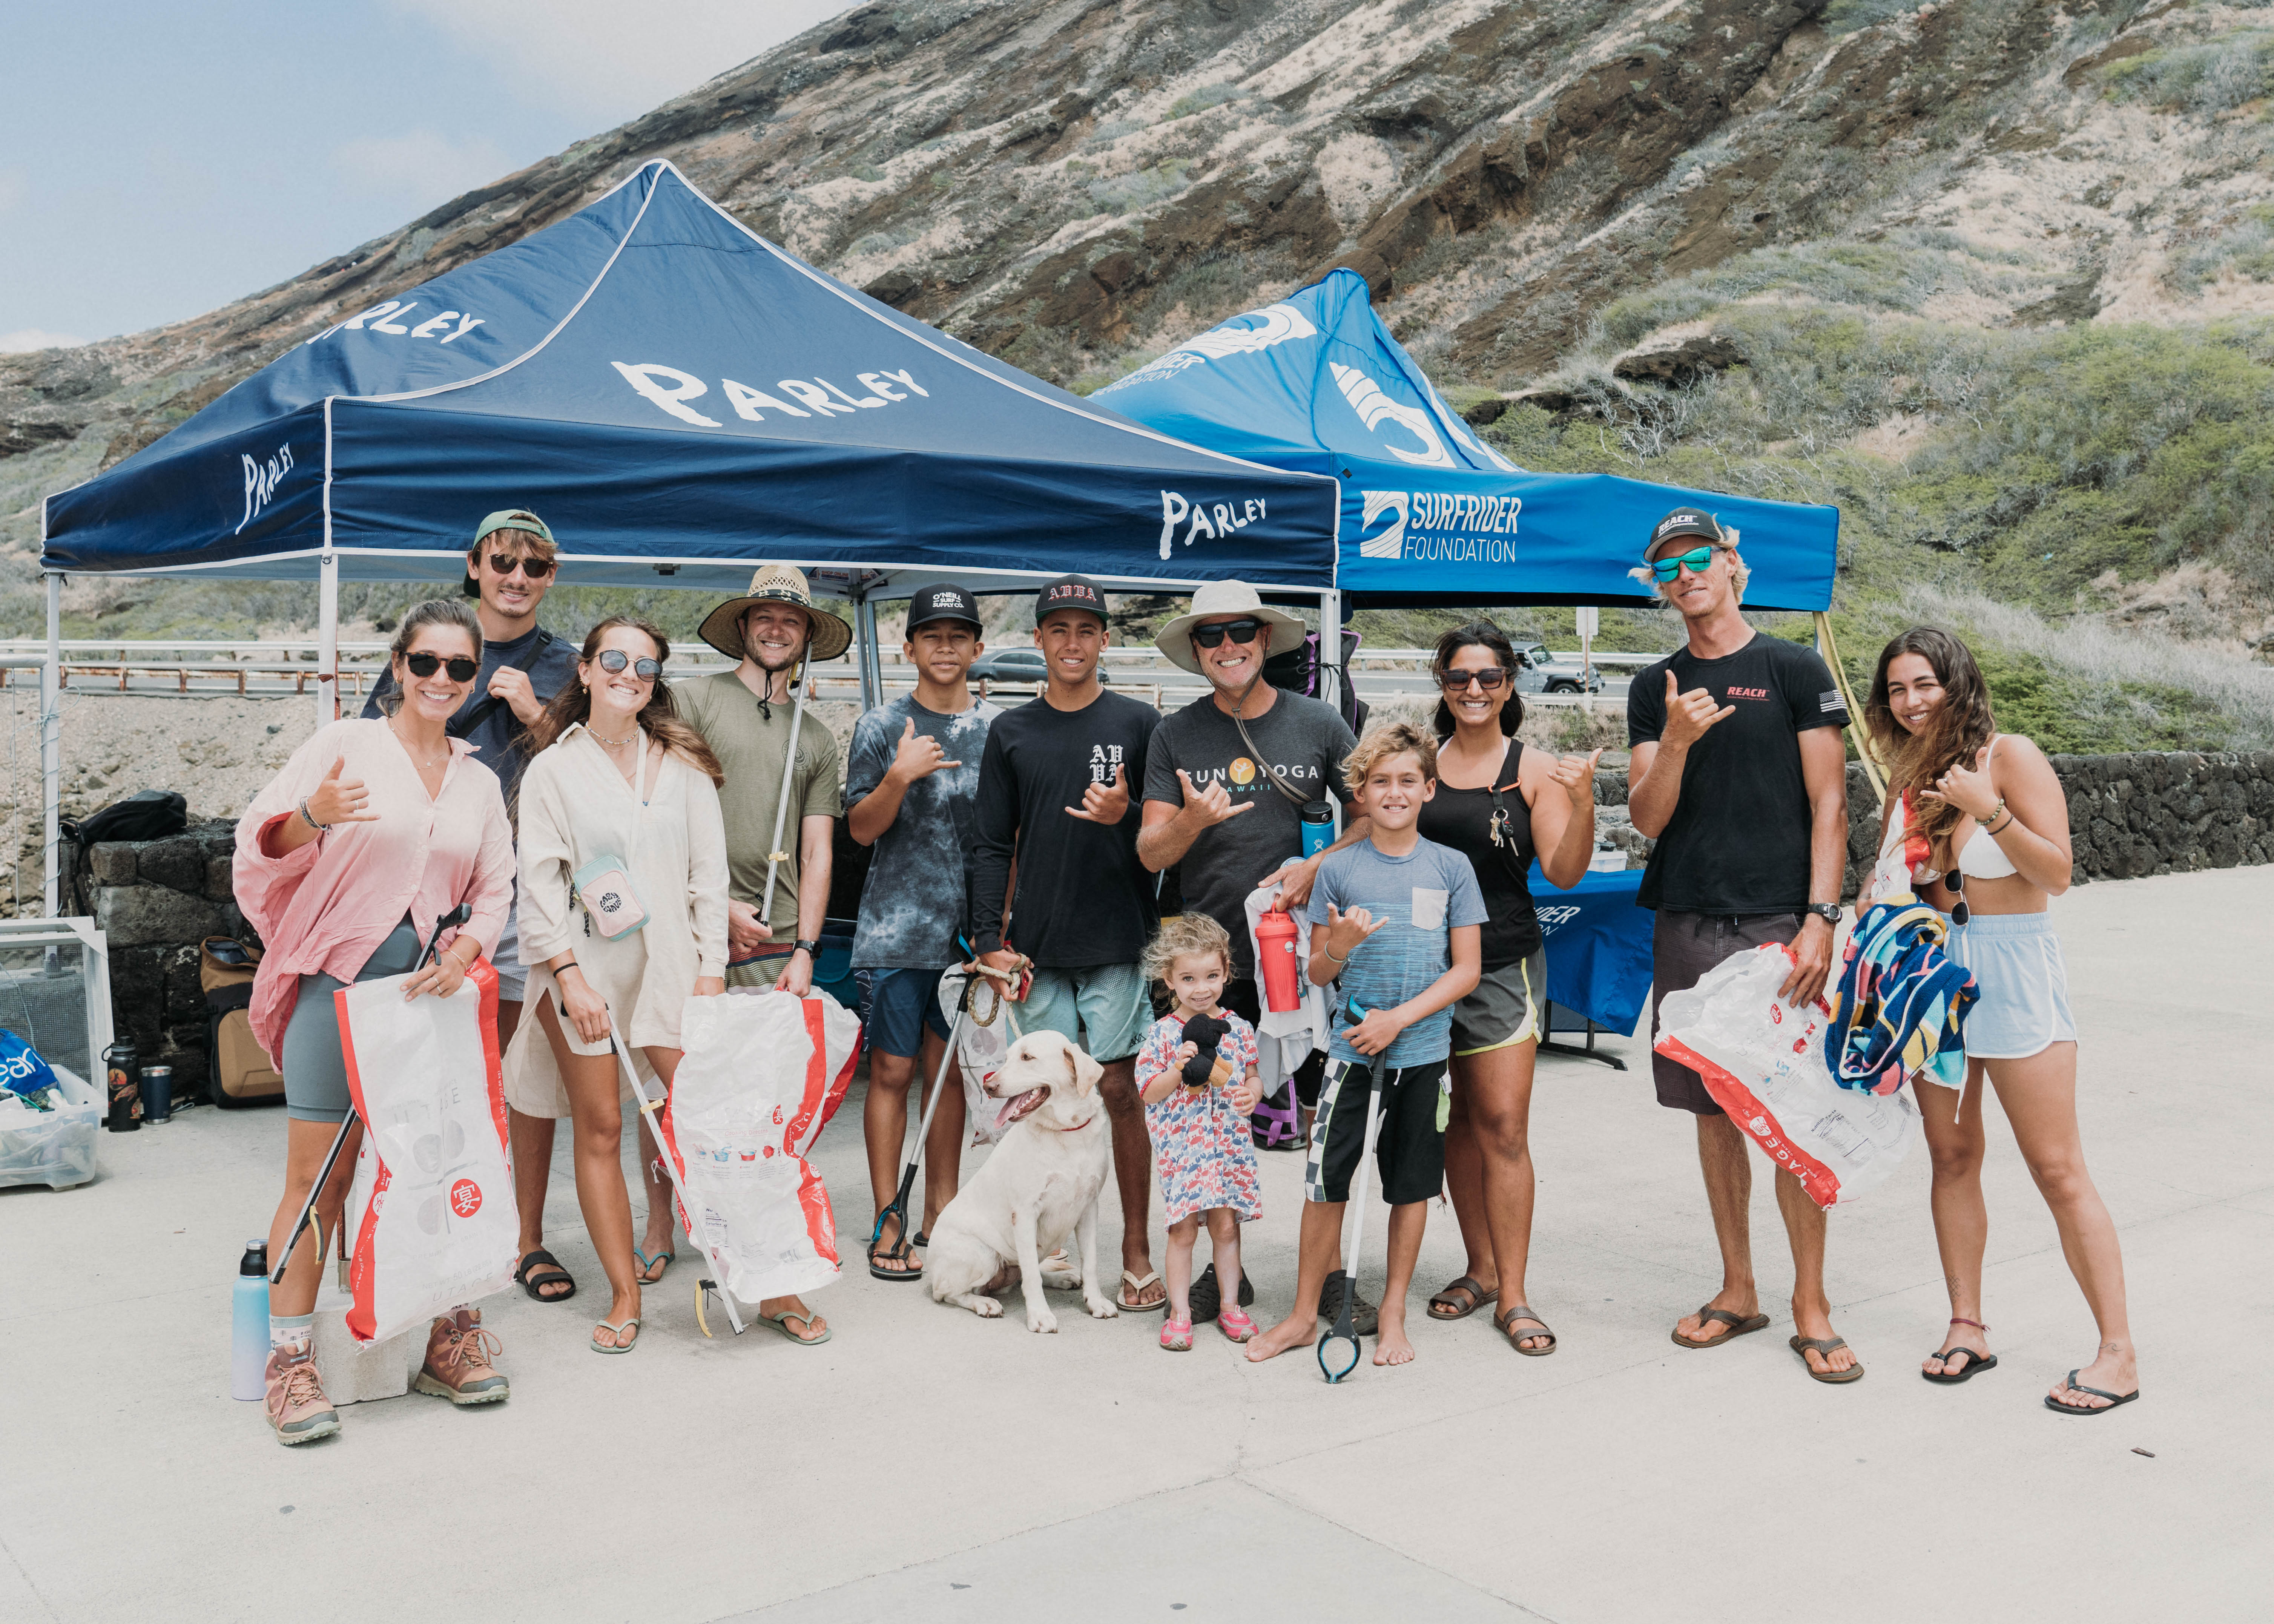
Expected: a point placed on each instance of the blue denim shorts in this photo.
(2016, 963)
(900, 1004)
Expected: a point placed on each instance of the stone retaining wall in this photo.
(155, 901)
(2128, 815)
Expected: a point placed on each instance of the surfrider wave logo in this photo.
(1373, 409)
(1274, 324)
(1440, 526)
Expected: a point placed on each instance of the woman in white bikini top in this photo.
(2001, 824)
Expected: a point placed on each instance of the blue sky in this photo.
(159, 160)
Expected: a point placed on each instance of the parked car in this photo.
(1017, 666)
(1540, 672)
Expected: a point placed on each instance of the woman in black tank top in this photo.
(1499, 805)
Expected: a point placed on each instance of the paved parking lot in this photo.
(927, 1465)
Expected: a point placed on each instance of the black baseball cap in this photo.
(1069, 592)
(1684, 522)
(943, 600)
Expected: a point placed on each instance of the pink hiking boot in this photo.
(296, 1403)
(457, 1367)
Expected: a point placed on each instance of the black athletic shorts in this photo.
(1409, 1147)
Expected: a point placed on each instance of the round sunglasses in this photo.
(1238, 631)
(1696, 561)
(613, 660)
(461, 669)
(1491, 680)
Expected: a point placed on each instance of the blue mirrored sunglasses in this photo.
(1697, 558)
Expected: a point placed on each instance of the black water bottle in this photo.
(124, 1067)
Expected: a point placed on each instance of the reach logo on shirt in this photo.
(1746, 693)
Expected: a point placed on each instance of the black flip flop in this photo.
(1468, 1286)
(541, 1259)
(2114, 1399)
(1737, 1327)
(1976, 1364)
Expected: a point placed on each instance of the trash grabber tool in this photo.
(902, 1249)
(458, 915)
(670, 1160)
(1344, 1331)
(776, 855)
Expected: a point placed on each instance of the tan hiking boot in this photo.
(296, 1403)
(458, 1355)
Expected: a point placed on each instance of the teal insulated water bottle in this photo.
(248, 1325)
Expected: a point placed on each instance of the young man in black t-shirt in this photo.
(1057, 788)
(1739, 773)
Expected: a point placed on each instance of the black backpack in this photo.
(146, 815)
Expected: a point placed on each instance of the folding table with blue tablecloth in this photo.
(1598, 943)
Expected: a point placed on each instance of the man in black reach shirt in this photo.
(509, 567)
(1056, 786)
(1739, 773)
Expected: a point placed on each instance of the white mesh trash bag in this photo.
(1763, 1063)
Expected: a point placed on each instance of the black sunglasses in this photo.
(612, 660)
(505, 563)
(1491, 680)
(1959, 911)
(461, 669)
(1238, 631)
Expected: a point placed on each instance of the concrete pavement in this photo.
(929, 1465)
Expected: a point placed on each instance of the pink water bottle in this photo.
(1274, 962)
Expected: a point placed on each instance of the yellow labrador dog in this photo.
(1039, 1186)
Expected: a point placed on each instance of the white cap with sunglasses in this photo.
(1215, 601)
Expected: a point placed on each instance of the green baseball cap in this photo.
(510, 519)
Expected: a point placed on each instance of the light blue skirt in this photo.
(2015, 959)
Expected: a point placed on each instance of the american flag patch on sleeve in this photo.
(1829, 700)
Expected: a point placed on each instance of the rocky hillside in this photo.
(1998, 275)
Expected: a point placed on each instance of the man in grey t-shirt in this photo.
(911, 793)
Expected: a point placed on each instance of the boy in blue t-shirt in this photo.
(1397, 920)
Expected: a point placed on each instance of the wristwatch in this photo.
(1828, 912)
(811, 949)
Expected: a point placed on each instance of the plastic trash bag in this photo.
(431, 1213)
(1763, 1063)
(762, 1075)
(56, 1146)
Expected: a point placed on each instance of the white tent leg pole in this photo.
(51, 755)
(327, 639)
(776, 852)
(869, 656)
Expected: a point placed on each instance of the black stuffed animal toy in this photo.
(1207, 1069)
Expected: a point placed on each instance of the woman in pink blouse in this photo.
(373, 830)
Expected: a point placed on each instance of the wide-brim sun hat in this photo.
(1215, 600)
(774, 583)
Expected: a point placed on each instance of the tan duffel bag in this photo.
(239, 1072)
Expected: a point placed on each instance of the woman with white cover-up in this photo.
(614, 774)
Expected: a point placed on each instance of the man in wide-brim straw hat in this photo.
(1227, 807)
(746, 716)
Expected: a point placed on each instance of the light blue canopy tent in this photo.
(1431, 515)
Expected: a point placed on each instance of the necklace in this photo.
(423, 766)
(613, 744)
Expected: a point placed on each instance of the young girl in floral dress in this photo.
(1197, 1100)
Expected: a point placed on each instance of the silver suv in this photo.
(1539, 671)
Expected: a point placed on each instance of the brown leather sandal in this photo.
(1506, 1322)
(1467, 1286)
(1738, 1326)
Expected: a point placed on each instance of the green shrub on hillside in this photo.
(2210, 76)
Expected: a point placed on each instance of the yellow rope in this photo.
(1830, 650)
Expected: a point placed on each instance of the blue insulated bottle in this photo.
(1318, 828)
(248, 1325)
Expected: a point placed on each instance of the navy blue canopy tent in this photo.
(1432, 515)
(678, 397)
